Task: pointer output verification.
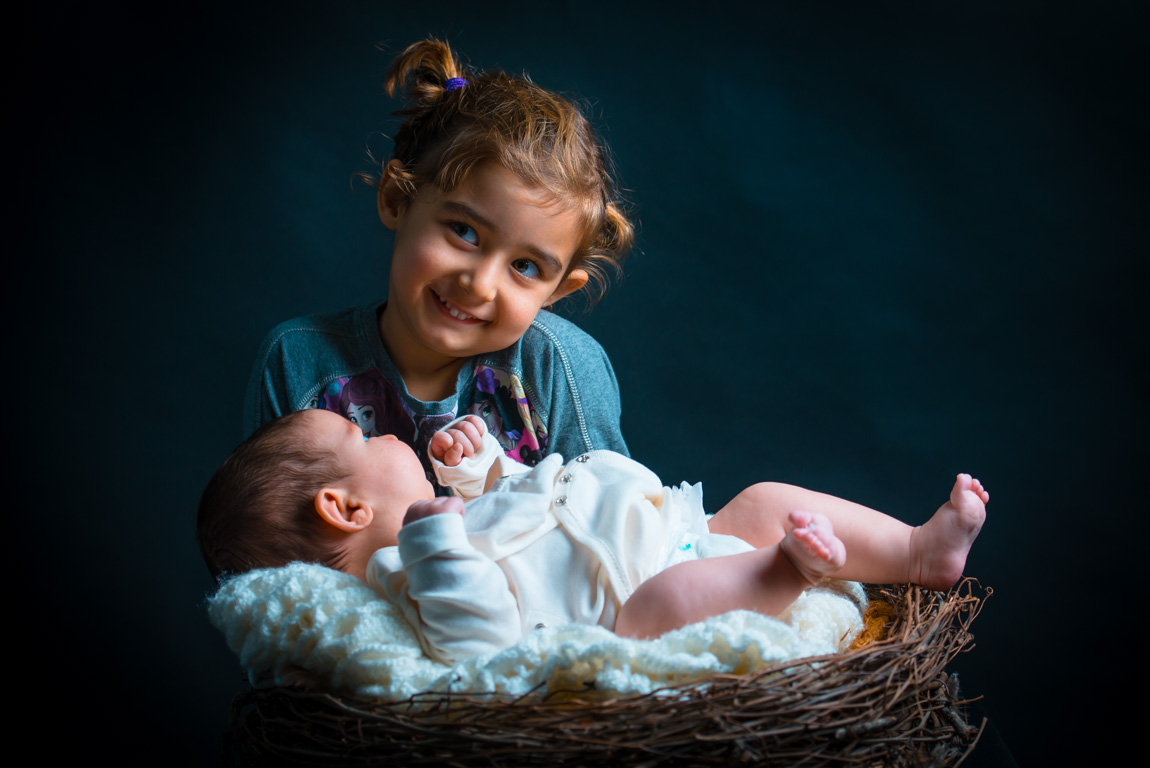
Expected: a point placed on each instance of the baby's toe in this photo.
(799, 518)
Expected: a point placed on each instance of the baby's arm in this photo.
(468, 459)
(456, 597)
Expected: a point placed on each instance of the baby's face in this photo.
(381, 471)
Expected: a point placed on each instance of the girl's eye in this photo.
(465, 233)
(525, 267)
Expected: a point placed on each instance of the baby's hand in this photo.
(464, 439)
(440, 505)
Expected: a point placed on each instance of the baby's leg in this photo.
(766, 580)
(882, 549)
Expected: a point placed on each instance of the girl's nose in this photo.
(480, 280)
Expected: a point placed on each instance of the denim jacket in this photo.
(553, 391)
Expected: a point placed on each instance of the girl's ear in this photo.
(336, 508)
(389, 198)
(575, 280)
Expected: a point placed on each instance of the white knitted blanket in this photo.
(335, 631)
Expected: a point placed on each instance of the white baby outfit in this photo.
(546, 546)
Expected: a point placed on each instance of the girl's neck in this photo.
(428, 375)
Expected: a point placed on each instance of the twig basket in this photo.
(889, 702)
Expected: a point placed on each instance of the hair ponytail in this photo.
(601, 260)
(422, 72)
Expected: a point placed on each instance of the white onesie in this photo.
(553, 545)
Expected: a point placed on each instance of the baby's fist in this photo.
(465, 438)
(440, 505)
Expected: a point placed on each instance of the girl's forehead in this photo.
(490, 178)
(499, 200)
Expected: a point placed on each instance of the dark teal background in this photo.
(881, 243)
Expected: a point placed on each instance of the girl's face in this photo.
(471, 268)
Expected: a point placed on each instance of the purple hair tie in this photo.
(455, 83)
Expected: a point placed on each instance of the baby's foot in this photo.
(812, 547)
(938, 548)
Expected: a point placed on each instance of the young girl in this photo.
(502, 203)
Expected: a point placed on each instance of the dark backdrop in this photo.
(880, 243)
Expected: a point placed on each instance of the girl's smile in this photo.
(470, 270)
(454, 311)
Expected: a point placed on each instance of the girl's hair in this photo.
(258, 510)
(458, 118)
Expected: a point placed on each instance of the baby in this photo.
(597, 539)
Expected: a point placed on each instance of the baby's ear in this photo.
(390, 199)
(337, 508)
(573, 282)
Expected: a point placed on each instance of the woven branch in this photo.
(887, 703)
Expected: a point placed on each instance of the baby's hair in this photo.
(458, 118)
(258, 510)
